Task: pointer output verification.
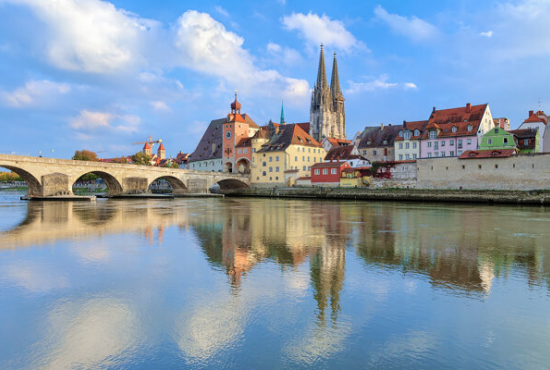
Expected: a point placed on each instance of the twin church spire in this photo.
(327, 113)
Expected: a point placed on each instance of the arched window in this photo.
(454, 129)
(417, 132)
(408, 135)
(470, 127)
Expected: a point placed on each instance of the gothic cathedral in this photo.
(327, 113)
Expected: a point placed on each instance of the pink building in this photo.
(450, 132)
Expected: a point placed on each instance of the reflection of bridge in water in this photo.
(50, 176)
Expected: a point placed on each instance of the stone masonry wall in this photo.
(525, 172)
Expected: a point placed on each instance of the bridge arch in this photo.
(113, 185)
(178, 186)
(232, 184)
(35, 187)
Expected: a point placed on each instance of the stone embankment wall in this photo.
(465, 196)
(524, 172)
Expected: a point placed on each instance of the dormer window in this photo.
(417, 132)
(408, 135)
(470, 127)
(433, 134)
(400, 133)
(385, 142)
(454, 129)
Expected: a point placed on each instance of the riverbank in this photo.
(533, 197)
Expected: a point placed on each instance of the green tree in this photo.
(142, 159)
(122, 159)
(85, 155)
(174, 165)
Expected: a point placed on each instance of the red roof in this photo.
(304, 126)
(444, 120)
(495, 153)
(244, 142)
(534, 117)
(147, 146)
(161, 146)
(338, 142)
(329, 164)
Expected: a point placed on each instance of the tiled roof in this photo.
(525, 134)
(535, 118)
(304, 126)
(182, 158)
(289, 135)
(341, 152)
(244, 142)
(337, 164)
(161, 147)
(374, 137)
(337, 142)
(147, 146)
(412, 126)
(212, 138)
(460, 118)
(494, 153)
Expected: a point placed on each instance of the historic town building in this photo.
(539, 121)
(327, 113)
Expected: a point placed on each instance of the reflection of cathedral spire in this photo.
(327, 276)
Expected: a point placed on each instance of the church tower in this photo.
(327, 113)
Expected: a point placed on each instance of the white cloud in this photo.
(221, 10)
(381, 83)
(33, 93)
(90, 35)
(88, 121)
(414, 28)
(205, 46)
(160, 106)
(487, 34)
(34, 278)
(318, 30)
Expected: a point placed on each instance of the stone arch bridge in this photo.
(51, 177)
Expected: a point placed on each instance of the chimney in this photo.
(468, 107)
(389, 125)
(433, 111)
(531, 113)
(382, 126)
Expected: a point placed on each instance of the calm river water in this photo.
(270, 284)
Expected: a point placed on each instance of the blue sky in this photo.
(98, 75)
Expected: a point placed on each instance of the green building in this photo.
(497, 138)
(527, 140)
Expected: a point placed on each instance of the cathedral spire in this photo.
(282, 114)
(322, 73)
(335, 81)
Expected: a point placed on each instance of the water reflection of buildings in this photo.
(463, 248)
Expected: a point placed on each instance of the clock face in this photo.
(228, 134)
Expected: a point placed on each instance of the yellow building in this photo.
(278, 148)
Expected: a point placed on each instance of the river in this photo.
(243, 283)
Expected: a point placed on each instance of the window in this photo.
(277, 178)
(400, 133)
(303, 158)
(263, 173)
(443, 154)
(309, 168)
(271, 159)
(309, 150)
(452, 153)
(308, 158)
(459, 143)
(433, 134)
(264, 164)
(442, 143)
(316, 172)
(454, 129)
(400, 145)
(254, 150)
(525, 141)
(325, 171)
(245, 151)
(451, 142)
(470, 127)
(429, 144)
(277, 158)
(253, 159)
(400, 157)
(364, 152)
(304, 167)
(385, 142)
(407, 156)
(239, 151)
(408, 135)
(436, 154)
(469, 141)
(414, 156)
(489, 141)
(496, 166)
(505, 141)
(429, 155)
(303, 150)
(417, 132)
(459, 152)
(414, 145)
(407, 145)
(333, 171)
(496, 130)
(270, 169)
(295, 159)
(277, 169)
(479, 167)
(436, 145)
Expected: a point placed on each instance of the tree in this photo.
(122, 159)
(174, 165)
(85, 155)
(142, 159)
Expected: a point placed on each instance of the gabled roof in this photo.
(525, 134)
(461, 118)
(412, 126)
(161, 146)
(288, 135)
(535, 117)
(212, 136)
(337, 142)
(374, 137)
(342, 153)
(245, 142)
(147, 146)
(493, 153)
